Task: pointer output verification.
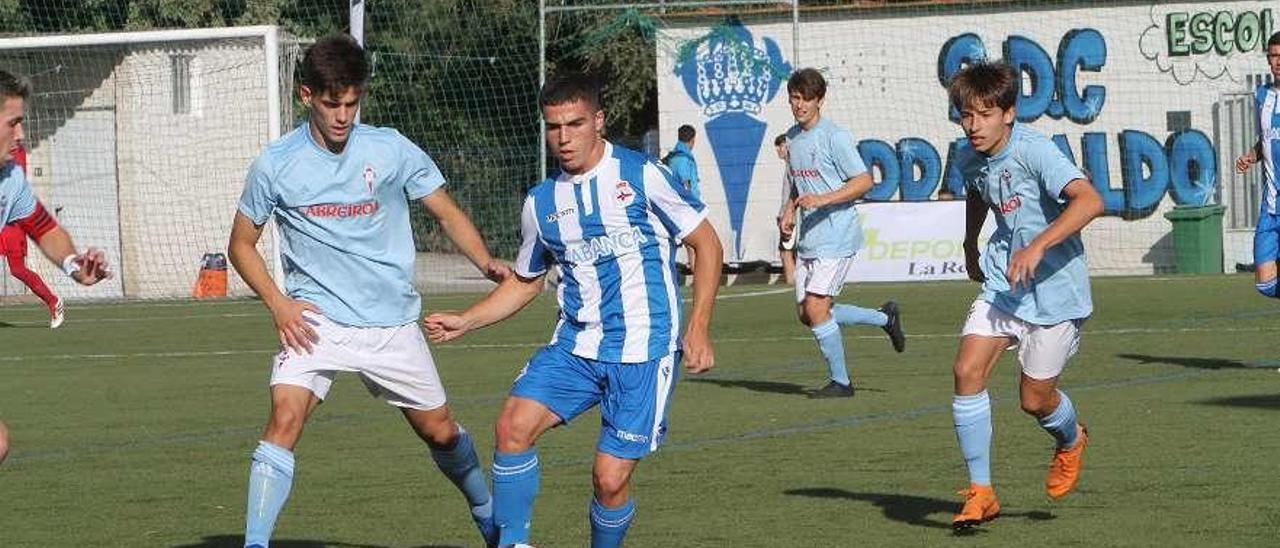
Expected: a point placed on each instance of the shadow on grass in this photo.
(1194, 363)
(1258, 401)
(770, 387)
(237, 541)
(911, 509)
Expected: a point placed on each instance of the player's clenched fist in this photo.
(445, 326)
(1246, 161)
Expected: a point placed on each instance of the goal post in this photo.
(139, 143)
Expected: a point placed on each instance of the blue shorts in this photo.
(1266, 238)
(633, 397)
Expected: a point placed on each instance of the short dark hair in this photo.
(13, 86)
(1274, 40)
(780, 140)
(686, 133)
(985, 83)
(335, 63)
(570, 87)
(808, 82)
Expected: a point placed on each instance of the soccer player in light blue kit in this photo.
(1035, 279)
(828, 175)
(610, 222)
(339, 192)
(18, 204)
(1266, 236)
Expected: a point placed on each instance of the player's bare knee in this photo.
(1037, 405)
(285, 425)
(610, 485)
(4, 442)
(514, 433)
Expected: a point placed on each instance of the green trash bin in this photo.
(1197, 238)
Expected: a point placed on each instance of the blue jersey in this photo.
(1023, 185)
(685, 168)
(612, 234)
(344, 220)
(17, 201)
(821, 160)
(1267, 102)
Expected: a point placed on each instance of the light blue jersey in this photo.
(612, 233)
(344, 220)
(821, 160)
(1023, 184)
(1266, 99)
(17, 201)
(685, 168)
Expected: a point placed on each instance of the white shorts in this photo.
(394, 363)
(1043, 350)
(821, 276)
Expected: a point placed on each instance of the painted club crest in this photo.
(369, 177)
(623, 193)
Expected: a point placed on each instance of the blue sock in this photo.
(516, 479)
(462, 467)
(1061, 423)
(270, 478)
(609, 525)
(847, 314)
(832, 347)
(1267, 288)
(973, 429)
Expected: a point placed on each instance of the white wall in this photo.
(883, 71)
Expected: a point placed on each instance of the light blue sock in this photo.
(462, 467)
(832, 347)
(609, 525)
(973, 429)
(270, 478)
(516, 479)
(1268, 288)
(1061, 423)
(847, 314)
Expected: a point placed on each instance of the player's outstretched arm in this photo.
(853, 189)
(975, 215)
(286, 313)
(1083, 205)
(458, 226)
(708, 260)
(511, 295)
(86, 268)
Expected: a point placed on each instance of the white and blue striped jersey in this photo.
(612, 233)
(1267, 101)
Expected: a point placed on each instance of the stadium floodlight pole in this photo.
(795, 33)
(542, 80)
(356, 24)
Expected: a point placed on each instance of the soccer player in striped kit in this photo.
(610, 222)
(1266, 236)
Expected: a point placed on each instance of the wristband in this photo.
(69, 265)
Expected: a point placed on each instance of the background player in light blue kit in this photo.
(828, 175)
(610, 222)
(1035, 280)
(1266, 236)
(339, 192)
